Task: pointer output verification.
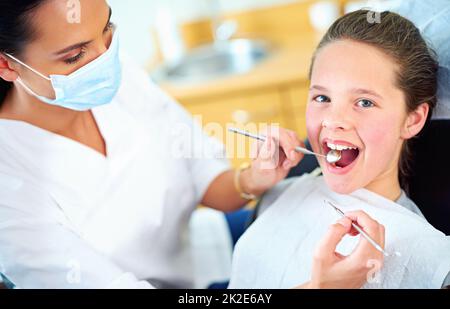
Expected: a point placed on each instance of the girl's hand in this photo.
(272, 160)
(332, 270)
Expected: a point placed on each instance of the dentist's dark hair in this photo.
(400, 39)
(15, 31)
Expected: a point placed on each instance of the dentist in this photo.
(94, 192)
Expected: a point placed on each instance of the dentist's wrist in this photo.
(247, 182)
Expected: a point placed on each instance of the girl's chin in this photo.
(341, 180)
(339, 184)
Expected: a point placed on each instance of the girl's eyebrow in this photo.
(366, 91)
(354, 90)
(318, 87)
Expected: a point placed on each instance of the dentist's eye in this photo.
(109, 27)
(322, 99)
(365, 103)
(76, 58)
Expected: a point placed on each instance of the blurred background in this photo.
(240, 63)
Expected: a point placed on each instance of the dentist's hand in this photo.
(332, 270)
(272, 160)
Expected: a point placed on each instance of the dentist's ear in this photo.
(7, 73)
(415, 121)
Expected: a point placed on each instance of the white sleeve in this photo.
(36, 253)
(206, 156)
(208, 165)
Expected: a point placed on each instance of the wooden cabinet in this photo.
(265, 107)
(283, 106)
(298, 97)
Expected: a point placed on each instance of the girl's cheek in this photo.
(313, 118)
(373, 138)
(379, 134)
(313, 125)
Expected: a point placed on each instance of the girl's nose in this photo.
(336, 118)
(335, 124)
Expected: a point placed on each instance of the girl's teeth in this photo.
(331, 146)
(339, 147)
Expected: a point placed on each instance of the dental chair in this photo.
(430, 178)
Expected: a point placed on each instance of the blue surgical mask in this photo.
(93, 85)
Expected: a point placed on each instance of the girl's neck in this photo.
(387, 185)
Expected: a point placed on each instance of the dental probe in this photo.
(360, 230)
(332, 156)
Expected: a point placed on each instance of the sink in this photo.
(220, 59)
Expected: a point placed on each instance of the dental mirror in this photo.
(332, 156)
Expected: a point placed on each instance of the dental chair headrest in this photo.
(429, 184)
(432, 18)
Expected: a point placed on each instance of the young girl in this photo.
(373, 88)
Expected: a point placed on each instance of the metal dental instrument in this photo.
(332, 157)
(364, 234)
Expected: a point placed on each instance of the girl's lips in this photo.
(340, 167)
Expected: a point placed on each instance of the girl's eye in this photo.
(76, 58)
(322, 99)
(365, 103)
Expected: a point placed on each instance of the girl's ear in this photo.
(415, 121)
(6, 72)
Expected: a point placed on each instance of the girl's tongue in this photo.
(347, 157)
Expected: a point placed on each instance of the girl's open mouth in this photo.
(349, 153)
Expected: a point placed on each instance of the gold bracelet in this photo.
(237, 184)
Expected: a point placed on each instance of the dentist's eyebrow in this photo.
(81, 44)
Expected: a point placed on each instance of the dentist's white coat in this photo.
(71, 218)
